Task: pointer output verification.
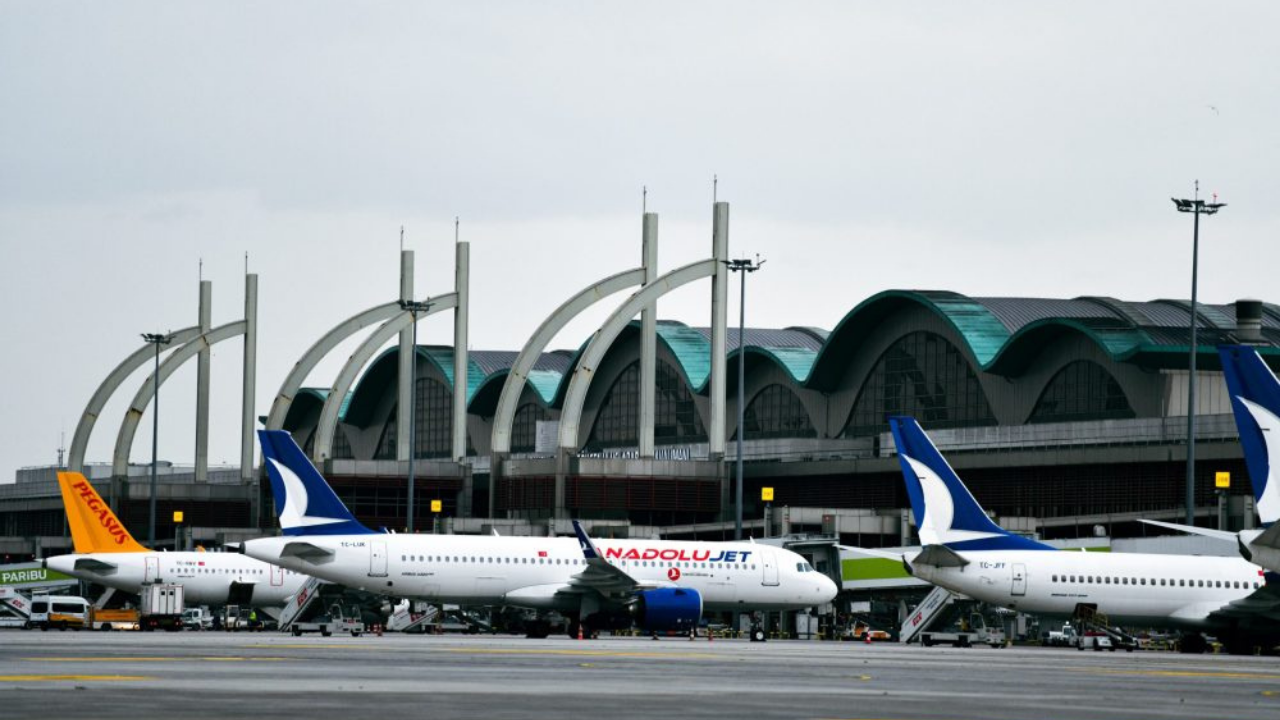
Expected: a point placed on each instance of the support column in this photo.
(719, 324)
(249, 390)
(202, 384)
(405, 384)
(250, 375)
(648, 336)
(460, 366)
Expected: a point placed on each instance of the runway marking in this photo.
(78, 678)
(223, 658)
(1182, 673)
(517, 651)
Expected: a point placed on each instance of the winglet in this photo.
(305, 503)
(584, 541)
(94, 528)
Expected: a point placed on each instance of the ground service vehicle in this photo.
(114, 619)
(972, 632)
(59, 612)
(162, 606)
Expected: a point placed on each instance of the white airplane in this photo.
(107, 554)
(964, 551)
(596, 583)
(1255, 400)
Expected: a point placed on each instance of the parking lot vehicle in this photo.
(197, 618)
(974, 631)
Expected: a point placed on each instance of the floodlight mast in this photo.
(1196, 207)
(413, 307)
(743, 266)
(156, 339)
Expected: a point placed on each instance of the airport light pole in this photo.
(413, 307)
(156, 339)
(743, 266)
(1196, 207)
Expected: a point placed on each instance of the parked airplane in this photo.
(596, 583)
(966, 552)
(107, 554)
(1255, 400)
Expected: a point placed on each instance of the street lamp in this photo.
(413, 307)
(1196, 207)
(744, 267)
(155, 339)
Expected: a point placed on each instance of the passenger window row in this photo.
(1163, 582)
(579, 561)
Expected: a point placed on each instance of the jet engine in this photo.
(668, 609)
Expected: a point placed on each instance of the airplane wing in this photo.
(1192, 529)
(601, 575)
(94, 565)
(1262, 604)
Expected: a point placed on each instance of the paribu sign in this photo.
(31, 574)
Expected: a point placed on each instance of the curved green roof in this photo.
(984, 334)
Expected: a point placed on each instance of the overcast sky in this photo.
(991, 148)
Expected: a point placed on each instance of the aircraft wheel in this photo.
(757, 635)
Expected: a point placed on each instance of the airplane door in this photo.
(377, 558)
(277, 576)
(152, 572)
(1019, 579)
(770, 565)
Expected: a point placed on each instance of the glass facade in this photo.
(924, 376)
(524, 427)
(676, 419)
(341, 445)
(387, 443)
(433, 423)
(776, 412)
(1082, 390)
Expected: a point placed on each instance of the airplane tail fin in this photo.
(94, 528)
(1255, 400)
(305, 504)
(945, 512)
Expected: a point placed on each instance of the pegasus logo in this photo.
(294, 513)
(96, 507)
(1268, 492)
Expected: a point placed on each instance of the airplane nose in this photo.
(828, 589)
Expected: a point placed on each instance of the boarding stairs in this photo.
(936, 606)
(410, 616)
(16, 606)
(1089, 621)
(302, 601)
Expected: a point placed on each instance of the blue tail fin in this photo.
(945, 511)
(1255, 399)
(305, 503)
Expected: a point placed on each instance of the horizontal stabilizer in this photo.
(1270, 538)
(305, 551)
(940, 556)
(885, 554)
(94, 565)
(1193, 530)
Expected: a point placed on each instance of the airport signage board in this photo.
(31, 575)
(1222, 480)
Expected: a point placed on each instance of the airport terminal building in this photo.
(1066, 417)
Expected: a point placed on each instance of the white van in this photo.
(58, 611)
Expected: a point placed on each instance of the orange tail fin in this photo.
(94, 528)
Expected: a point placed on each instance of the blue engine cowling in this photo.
(668, 609)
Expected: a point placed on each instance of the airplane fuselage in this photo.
(207, 577)
(1130, 588)
(532, 572)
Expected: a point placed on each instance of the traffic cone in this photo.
(579, 631)
(377, 629)
(711, 635)
(866, 635)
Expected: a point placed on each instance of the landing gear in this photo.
(1193, 644)
(537, 629)
(757, 634)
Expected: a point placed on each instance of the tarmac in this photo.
(264, 675)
